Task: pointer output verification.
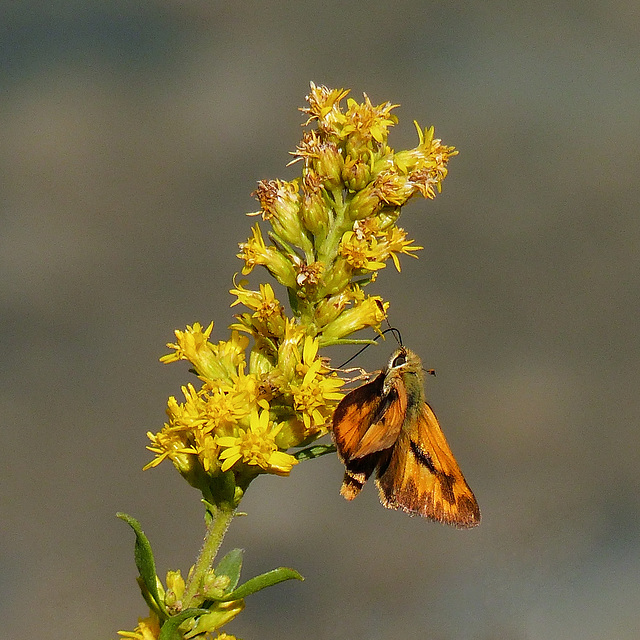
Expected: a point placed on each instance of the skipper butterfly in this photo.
(386, 426)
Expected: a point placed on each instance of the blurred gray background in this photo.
(131, 138)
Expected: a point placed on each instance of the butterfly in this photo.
(386, 426)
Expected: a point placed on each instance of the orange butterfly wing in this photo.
(367, 421)
(366, 425)
(422, 477)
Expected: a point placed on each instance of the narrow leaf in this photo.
(294, 302)
(314, 452)
(144, 558)
(261, 582)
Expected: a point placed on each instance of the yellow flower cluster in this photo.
(245, 421)
(334, 228)
(219, 613)
(331, 231)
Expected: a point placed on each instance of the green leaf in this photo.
(314, 452)
(144, 559)
(150, 600)
(330, 343)
(169, 629)
(261, 582)
(294, 301)
(230, 566)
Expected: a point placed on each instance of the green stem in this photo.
(329, 248)
(212, 541)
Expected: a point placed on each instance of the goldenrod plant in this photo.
(261, 397)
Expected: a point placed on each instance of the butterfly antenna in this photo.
(396, 334)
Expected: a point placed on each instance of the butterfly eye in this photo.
(399, 360)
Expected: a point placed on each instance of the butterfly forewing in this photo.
(367, 421)
(423, 478)
(366, 425)
(386, 424)
(353, 416)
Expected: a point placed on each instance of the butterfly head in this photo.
(405, 367)
(404, 362)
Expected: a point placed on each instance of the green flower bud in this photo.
(336, 279)
(368, 313)
(315, 210)
(280, 202)
(356, 173)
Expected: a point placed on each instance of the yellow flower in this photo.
(174, 440)
(360, 252)
(324, 106)
(207, 450)
(192, 344)
(263, 302)
(212, 361)
(426, 164)
(393, 188)
(256, 252)
(323, 161)
(309, 353)
(256, 446)
(268, 313)
(369, 121)
(147, 629)
(229, 358)
(370, 312)
(317, 394)
(312, 395)
(225, 405)
(167, 444)
(188, 439)
(187, 416)
(394, 242)
(361, 122)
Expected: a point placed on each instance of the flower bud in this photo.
(328, 164)
(336, 279)
(331, 307)
(255, 252)
(365, 203)
(213, 585)
(314, 206)
(219, 615)
(280, 202)
(368, 313)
